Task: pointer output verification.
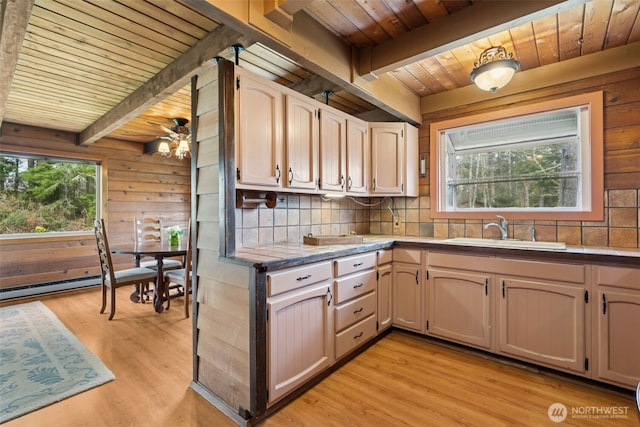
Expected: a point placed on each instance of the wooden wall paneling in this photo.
(621, 103)
(221, 341)
(622, 138)
(136, 185)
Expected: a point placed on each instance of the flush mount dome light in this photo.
(494, 69)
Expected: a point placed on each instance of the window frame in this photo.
(101, 198)
(595, 209)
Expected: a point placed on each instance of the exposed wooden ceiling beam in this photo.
(14, 17)
(313, 85)
(313, 47)
(169, 80)
(480, 20)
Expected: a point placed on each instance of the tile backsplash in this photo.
(297, 215)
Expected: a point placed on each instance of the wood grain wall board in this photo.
(622, 161)
(594, 32)
(221, 385)
(526, 50)
(78, 259)
(546, 31)
(622, 138)
(623, 17)
(570, 26)
(79, 30)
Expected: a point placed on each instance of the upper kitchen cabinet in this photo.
(258, 123)
(286, 141)
(394, 158)
(333, 146)
(301, 141)
(357, 156)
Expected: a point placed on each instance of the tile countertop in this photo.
(283, 255)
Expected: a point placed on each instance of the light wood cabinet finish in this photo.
(356, 335)
(354, 310)
(616, 319)
(293, 278)
(356, 301)
(387, 164)
(258, 132)
(459, 306)
(301, 141)
(408, 287)
(394, 159)
(333, 145)
(357, 156)
(354, 285)
(300, 337)
(385, 290)
(543, 321)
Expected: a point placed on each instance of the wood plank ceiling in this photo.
(81, 58)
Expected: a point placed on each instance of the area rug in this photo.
(41, 361)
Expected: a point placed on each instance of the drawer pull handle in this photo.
(358, 264)
(358, 311)
(358, 286)
(303, 277)
(358, 336)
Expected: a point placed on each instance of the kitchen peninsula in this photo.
(538, 306)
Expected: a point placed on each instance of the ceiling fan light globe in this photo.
(164, 149)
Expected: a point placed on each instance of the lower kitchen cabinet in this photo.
(616, 319)
(385, 290)
(355, 302)
(408, 289)
(542, 315)
(460, 306)
(543, 322)
(300, 332)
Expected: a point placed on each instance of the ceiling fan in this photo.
(177, 142)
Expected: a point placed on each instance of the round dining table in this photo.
(159, 251)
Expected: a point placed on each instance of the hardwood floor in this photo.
(403, 380)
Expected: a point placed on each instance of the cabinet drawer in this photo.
(354, 263)
(353, 311)
(352, 337)
(621, 277)
(293, 278)
(355, 285)
(385, 257)
(411, 256)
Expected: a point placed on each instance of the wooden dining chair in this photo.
(149, 229)
(181, 277)
(112, 279)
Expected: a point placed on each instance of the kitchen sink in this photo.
(508, 243)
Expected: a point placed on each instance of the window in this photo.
(41, 194)
(538, 162)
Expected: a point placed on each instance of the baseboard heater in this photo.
(48, 287)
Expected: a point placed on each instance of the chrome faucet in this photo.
(503, 226)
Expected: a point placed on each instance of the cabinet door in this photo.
(301, 141)
(357, 156)
(543, 322)
(333, 134)
(616, 318)
(258, 132)
(300, 337)
(407, 296)
(387, 158)
(460, 307)
(385, 307)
